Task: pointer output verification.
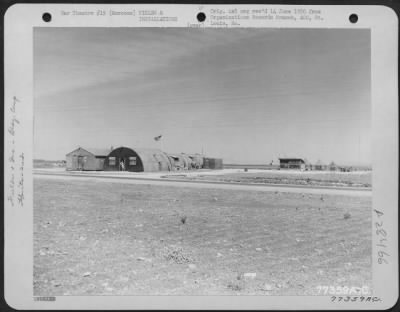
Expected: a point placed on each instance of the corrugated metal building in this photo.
(176, 161)
(137, 160)
(86, 159)
(213, 163)
(187, 161)
(197, 161)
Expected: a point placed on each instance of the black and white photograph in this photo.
(201, 162)
(201, 157)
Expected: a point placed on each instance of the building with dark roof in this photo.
(292, 163)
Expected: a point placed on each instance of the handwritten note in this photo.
(21, 180)
(356, 299)
(16, 164)
(382, 239)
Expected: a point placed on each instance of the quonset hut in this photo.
(137, 160)
(86, 159)
(184, 161)
(177, 161)
(187, 161)
(197, 161)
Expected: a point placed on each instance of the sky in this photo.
(246, 95)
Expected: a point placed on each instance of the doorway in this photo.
(122, 164)
(81, 162)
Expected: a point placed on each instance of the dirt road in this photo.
(203, 184)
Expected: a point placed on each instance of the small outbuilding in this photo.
(137, 160)
(308, 165)
(85, 159)
(333, 167)
(292, 163)
(213, 163)
(319, 165)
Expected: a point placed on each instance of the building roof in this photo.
(99, 151)
(196, 156)
(291, 159)
(185, 156)
(151, 157)
(93, 151)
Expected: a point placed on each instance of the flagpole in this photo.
(158, 140)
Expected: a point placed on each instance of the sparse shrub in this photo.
(178, 255)
(347, 216)
(183, 219)
(235, 287)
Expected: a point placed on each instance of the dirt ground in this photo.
(312, 178)
(104, 238)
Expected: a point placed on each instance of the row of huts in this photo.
(305, 165)
(137, 160)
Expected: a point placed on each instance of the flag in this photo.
(158, 138)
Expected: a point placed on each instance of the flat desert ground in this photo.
(98, 237)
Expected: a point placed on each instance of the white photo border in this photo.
(19, 21)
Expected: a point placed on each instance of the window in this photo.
(132, 161)
(111, 161)
(84, 158)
